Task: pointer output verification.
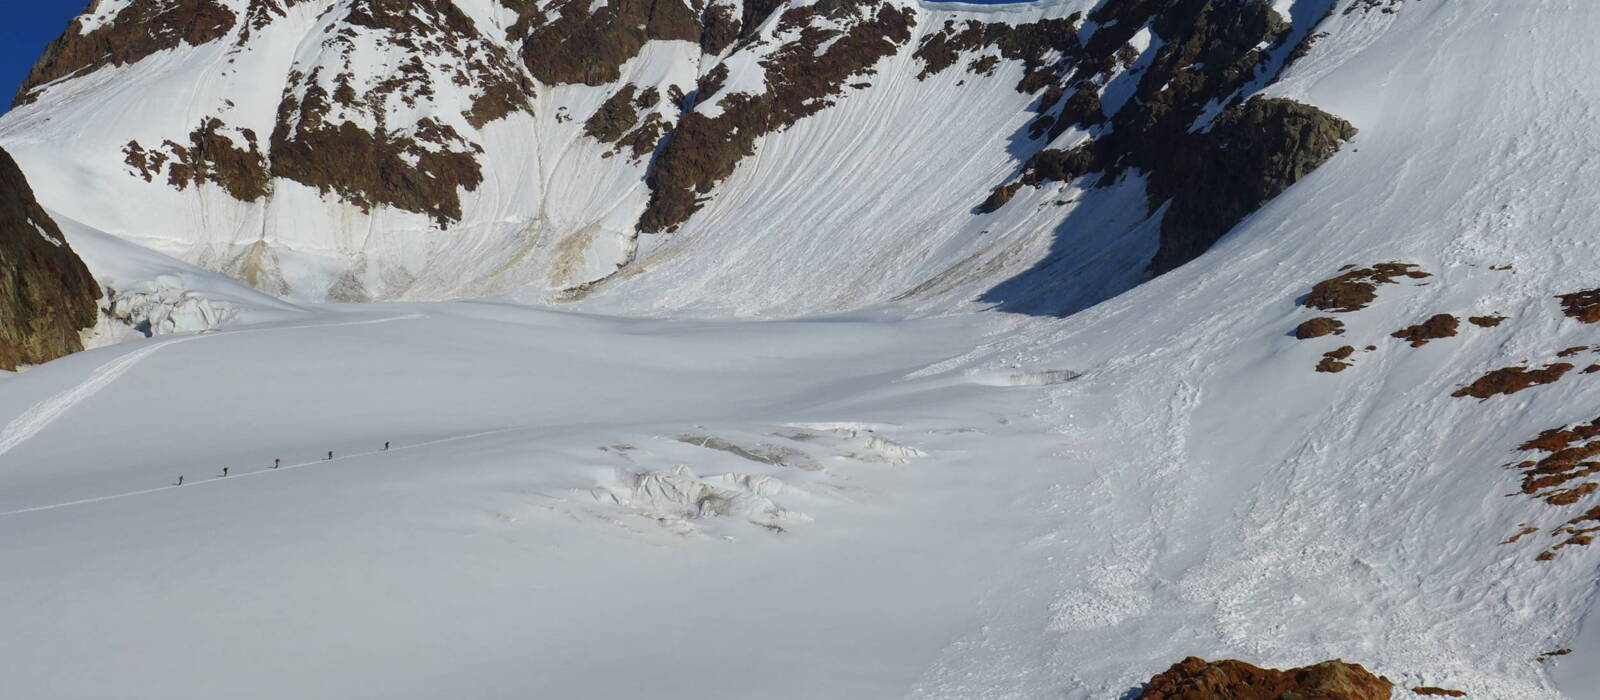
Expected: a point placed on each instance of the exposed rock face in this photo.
(46, 294)
(580, 46)
(822, 47)
(230, 158)
(390, 107)
(1197, 679)
(1211, 55)
(618, 121)
(322, 139)
(1045, 48)
(1255, 152)
(138, 29)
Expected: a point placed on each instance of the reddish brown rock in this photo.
(1486, 321)
(1510, 380)
(1571, 454)
(1584, 305)
(1354, 289)
(1197, 679)
(1439, 326)
(1431, 690)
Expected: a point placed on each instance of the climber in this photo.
(277, 463)
(180, 479)
(224, 471)
(386, 446)
(330, 454)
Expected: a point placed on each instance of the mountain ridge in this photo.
(553, 140)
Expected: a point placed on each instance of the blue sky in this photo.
(25, 27)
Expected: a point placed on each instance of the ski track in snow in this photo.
(42, 414)
(265, 470)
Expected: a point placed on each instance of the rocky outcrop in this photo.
(46, 294)
(1254, 153)
(1436, 327)
(322, 141)
(1510, 380)
(1356, 287)
(139, 29)
(386, 104)
(586, 44)
(1318, 327)
(1197, 679)
(215, 153)
(1045, 48)
(1210, 54)
(822, 47)
(618, 121)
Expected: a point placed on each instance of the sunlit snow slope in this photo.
(911, 499)
(683, 152)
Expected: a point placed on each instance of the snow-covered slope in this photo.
(351, 150)
(911, 500)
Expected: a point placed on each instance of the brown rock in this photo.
(814, 64)
(1568, 497)
(1356, 288)
(1197, 679)
(1318, 327)
(1438, 326)
(579, 46)
(141, 28)
(1253, 153)
(46, 294)
(1584, 306)
(418, 167)
(999, 197)
(1486, 321)
(1510, 380)
(1045, 48)
(719, 28)
(1431, 690)
(1334, 360)
(615, 117)
(211, 154)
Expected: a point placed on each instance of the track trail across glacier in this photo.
(262, 471)
(42, 414)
